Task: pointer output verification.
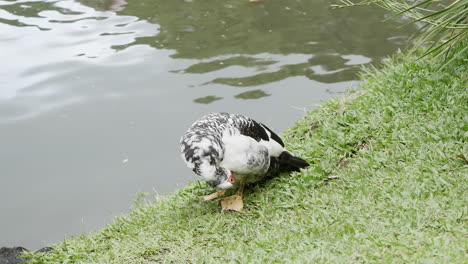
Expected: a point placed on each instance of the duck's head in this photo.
(223, 179)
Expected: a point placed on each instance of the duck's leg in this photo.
(211, 197)
(240, 192)
(234, 202)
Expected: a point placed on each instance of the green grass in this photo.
(387, 184)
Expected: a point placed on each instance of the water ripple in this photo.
(48, 43)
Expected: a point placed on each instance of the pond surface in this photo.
(94, 95)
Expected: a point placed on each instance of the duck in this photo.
(232, 150)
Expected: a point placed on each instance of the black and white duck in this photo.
(230, 150)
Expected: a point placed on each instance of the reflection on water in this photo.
(218, 64)
(111, 5)
(236, 43)
(207, 99)
(95, 94)
(49, 45)
(254, 94)
(310, 31)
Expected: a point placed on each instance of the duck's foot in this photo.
(232, 203)
(211, 197)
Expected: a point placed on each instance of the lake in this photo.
(94, 95)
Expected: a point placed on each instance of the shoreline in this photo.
(386, 183)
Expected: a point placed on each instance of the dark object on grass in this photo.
(14, 255)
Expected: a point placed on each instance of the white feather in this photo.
(235, 154)
(239, 149)
(189, 164)
(207, 171)
(274, 148)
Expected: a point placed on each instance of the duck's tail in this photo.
(287, 161)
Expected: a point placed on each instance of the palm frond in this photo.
(445, 25)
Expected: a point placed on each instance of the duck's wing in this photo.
(263, 135)
(273, 135)
(245, 155)
(253, 129)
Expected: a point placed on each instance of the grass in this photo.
(387, 184)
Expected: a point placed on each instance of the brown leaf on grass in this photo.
(364, 146)
(232, 203)
(461, 156)
(211, 197)
(343, 163)
(329, 179)
(315, 125)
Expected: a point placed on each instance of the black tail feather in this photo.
(287, 158)
(287, 162)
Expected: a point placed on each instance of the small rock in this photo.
(12, 255)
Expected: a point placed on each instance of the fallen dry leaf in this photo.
(211, 197)
(232, 203)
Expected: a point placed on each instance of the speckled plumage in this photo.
(221, 144)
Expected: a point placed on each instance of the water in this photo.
(94, 95)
